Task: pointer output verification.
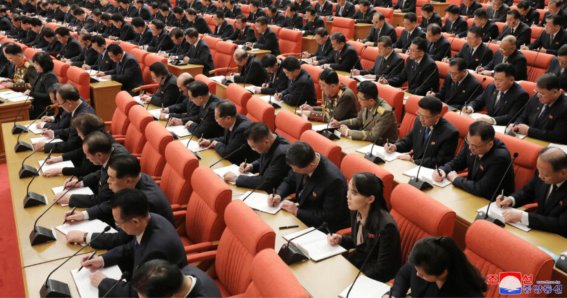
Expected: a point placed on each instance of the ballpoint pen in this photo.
(288, 227)
(90, 258)
(69, 214)
(438, 171)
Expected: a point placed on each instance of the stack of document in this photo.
(83, 280)
(179, 130)
(562, 147)
(34, 129)
(365, 287)
(314, 245)
(270, 99)
(259, 201)
(14, 96)
(319, 127)
(380, 152)
(251, 88)
(502, 129)
(55, 166)
(496, 212)
(193, 145)
(87, 226)
(138, 99)
(426, 174)
(362, 78)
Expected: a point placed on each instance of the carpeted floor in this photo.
(11, 282)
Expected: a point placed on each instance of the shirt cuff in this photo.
(525, 218)
(85, 214)
(513, 201)
(89, 238)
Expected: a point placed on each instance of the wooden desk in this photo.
(439, 7)
(102, 98)
(361, 30)
(259, 53)
(309, 44)
(10, 112)
(397, 19)
(192, 69)
(34, 276)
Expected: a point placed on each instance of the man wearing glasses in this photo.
(485, 158)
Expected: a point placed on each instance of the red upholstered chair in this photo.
(246, 234)
(457, 45)
(212, 43)
(536, 33)
(267, 266)
(525, 163)
(290, 41)
(127, 47)
(354, 163)
(399, 31)
(352, 84)
(418, 216)
(149, 60)
(315, 72)
(409, 116)
(223, 60)
(493, 46)
(462, 124)
(204, 216)
(344, 25)
(387, 12)
(210, 22)
(291, 126)
(175, 183)
(239, 96)
(368, 57)
(135, 137)
(484, 80)
(80, 78)
(152, 160)
(328, 148)
(537, 63)
(52, 26)
(120, 122)
(245, 8)
(528, 86)
(500, 26)
(358, 46)
(139, 55)
(275, 28)
(512, 254)
(259, 110)
(212, 84)
(394, 97)
(30, 52)
(60, 70)
(443, 71)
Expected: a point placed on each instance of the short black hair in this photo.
(138, 22)
(477, 31)
(454, 9)
(99, 40)
(191, 32)
(44, 60)
(158, 24)
(87, 123)
(432, 104)
(555, 19)
(507, 69)
(219, 14)
(300, 154)
(125, 165)
(410, 16)
(481, 13)
(176, 33)
(321, 32)
(13, 49)
(524, 5)
(292, 7)
(62, 31)
(269, 61)
(115, 49)
(159, 69)
(482, 129)
(386, 41)
(459, 62)
(311, 11)
(262, 20)
(258, 131)
(421, 43)
(158, 278)
(198, 88)
(191, 12)
(117, 17)
(562, 50)
(369, 90)
(549, 81)
(131, 202)
(98, 142)
(434, 29)
(516, 14)
(226, 109)
(329, 76)
(338, 37)
(291, 63)
(427, 7)
(68, 92)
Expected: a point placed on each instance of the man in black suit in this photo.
(231, 10)
(552, 38)
(252, 70)
(438, 47)
(181, 47)
(271, 167)
(405, 6)
(379, 28)
(67, 98)
(497, 12)
(364, 13)
(459, 85)
(324, 8)
(143, 33)
(344, 9)
(503, 98)
(548, 189)
(420, 71)
(488, 29)
(515, 27)
(301, 88)
(411, 31)
(160, 38)
(232, 145)
(127, 70)
(71, 47)
(508, 53)
(276, 80)
(205, 126)
(179, 20)
(207, 7)
(428, 16)
(184, 109)
(267, 39)
(242, 32)
(274, 17)
(388, 63)
(167, 92)
(125, 30)
(545, 116)
(127, 9)
(199, 53)
(468, 7)
(159, 278)
(429, 127)
(103, 62)
(558, 67)
(164, 14)
(155, 238)
(319, 186)
(197, 21)
(475, 52)
(454, 23)
(89, 55)
(313, 22)
(142, 11)
(324, 51)
(530, 16)
(344, 57)
(223, 29)
(292, 19)
(485, 158)
(256, 11)
(554, 7)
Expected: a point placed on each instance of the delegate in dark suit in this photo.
(481, 56)
(324, 10)
(386, 67)
(39, 92)
(271, 168)
(489, 31)
(484, 173)
(162, 42)
(200, 54)
(324, 52)
(421, 78)
(127, 71)
(405, 39)
(293, 22)
(442, 140)
(224, 30)
(522, 33)
(555, 68)
(439, 49)
(184, 109)
(268, 41)
(127, 32)
(204, 284)
(458, 27)
(276, 83)
(550, 46)
(201, 25)
(252, 73)
(364, 18)
(321, 196)
(206, 126)
(346, 11)
(386, 30)
(143, 38)
(469, 10)
(508, 105)
(434, 19)
(344, 60)
(71, 49)
(69, 135)
(167, 93)
(234, 139)
(311, 26)
(103, 62)
(88, 56)
(159, 241)
(300, 91)
(517, 59)
(498, 15)
(456, 94)
(406, 5)
(243, 36)
(550, 124)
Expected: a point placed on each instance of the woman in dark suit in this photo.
(438, 268)
(55, 118)
(375, 239)
(40, 87)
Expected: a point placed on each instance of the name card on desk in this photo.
(365, 287)
(426, 174)
(259, 201)
(314, 245)
(83, 280)
(380, 152)
(496, 212)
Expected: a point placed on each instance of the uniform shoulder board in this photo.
(381, 110)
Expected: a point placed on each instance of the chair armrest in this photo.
(223, 70)
(529, 207)
(148, 87)
(345, 232)
(120, 140)
(107, 125)
(203, 256)
(200, 247)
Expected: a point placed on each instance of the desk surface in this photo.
(35, 276)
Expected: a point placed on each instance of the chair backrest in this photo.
(368, 57)
(344, 25)
(399, 30)
(223, 56)
(135, 137)
(245, 8)
(244, 237)
(457, 45)
(79, 78)
(354, 163)
(127, 47)
(324, 146)
(513, 254)
(30, 52)
(290, 41)
(359, 47)
(537, 63)
(387, 12)
(394, 97)
(409, 116)
(60, 70)
(315, 72)
(212, 84)
(536, 33)
(152, 160)
(291, 126)
(139, 55)
(528, 86)
(461, 123)
(206, 206)
(239, 96)
(267, 266)
(210, 22)
(124, 102)
(525, 163)
(259, 110)
(419, 217)
(275, 28)
(212, 42)
(176, 177)
(484, 80)
(352, 84)
(443, 71)
(149, 60)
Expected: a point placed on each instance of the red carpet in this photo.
(11, 282)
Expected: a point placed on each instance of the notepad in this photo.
(365, 287)
(87, 226)
(426, 174)
(75, 191)
(235, 169)
(34, 129)
(155, 113)
(362, 78)
(138, 99)
(270, 99)
(179, 130)
(496, 212)
(562, 147)
(83, 280)
(380, 152)
(314, 245)
(319, 127)
(193, 146)
(217, 79)
(259, 201)
(55, 166)
(250, 89)
(44, 140)
(502, 129)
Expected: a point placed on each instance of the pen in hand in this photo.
(438, 171)
(69, 214)
(90, 258)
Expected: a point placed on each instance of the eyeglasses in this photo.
(120, 224)
(473, 146)
(424, 116)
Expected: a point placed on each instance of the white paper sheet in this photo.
(259, 201)
(88, 226)
(155, 113)
(193, 145)
(75, 191)
(57, 165)
(34, 129)
(502, 129)
(43, 140)
(83, 280)
(496, 212)
(179, 130)
(267, 99)
(365, 287)
(380, 152)
(426, 174)
(314, 244)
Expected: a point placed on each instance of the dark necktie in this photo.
(543, 114)
(426, 135)
(552, 188)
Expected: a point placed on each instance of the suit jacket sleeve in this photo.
(277, 169)
(203, 57)
(458, 164)
(526, 194)
(406, 144)
(287, 186)
(170, 95)
(130, 70)
(431, 82)
(489, 181)
(334, 196)
(402, 283)
(519, 102)
(445, 153)
(238, 139)
(386, 263)
(548, 223)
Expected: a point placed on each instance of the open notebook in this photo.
(365, 287)
(179, 130)
(235, 169)
(425, 174)
(380, 152)
(87, 226)
(314, 245)
(496, 212)
(193, 145)
(259, 201)
(83, 280)
(56, 166)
